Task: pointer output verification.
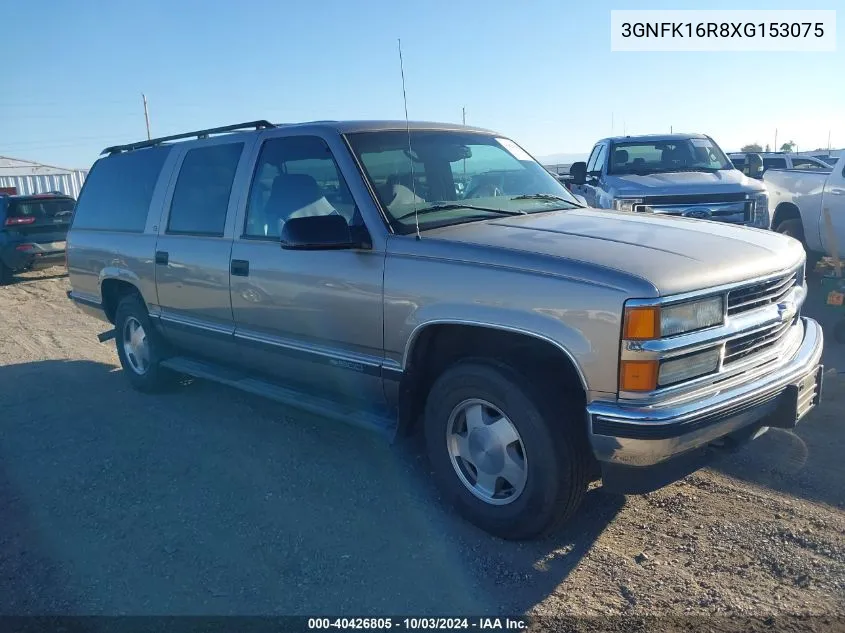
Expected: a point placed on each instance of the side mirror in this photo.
(319, 232)
(578, 172)
(754, 164)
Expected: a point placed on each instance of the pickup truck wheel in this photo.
(504, 457)
(794, 228)
(139, 346)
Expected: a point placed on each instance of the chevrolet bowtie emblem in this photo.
(787, 311)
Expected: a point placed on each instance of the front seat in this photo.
(293, 195)
(620, 157)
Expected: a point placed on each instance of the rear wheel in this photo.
(505, 457)
(139, 346)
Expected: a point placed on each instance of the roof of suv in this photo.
(341, 127)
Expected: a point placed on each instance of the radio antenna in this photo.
(410, 152)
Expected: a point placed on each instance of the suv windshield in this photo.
(449, 177)
(652, 157)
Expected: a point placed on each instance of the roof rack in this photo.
(252, 125)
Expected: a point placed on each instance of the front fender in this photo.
(568, 340)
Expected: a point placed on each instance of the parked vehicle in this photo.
(799, 197)
(32, 232)
(539, 344)
(674, 174)
(778, 160)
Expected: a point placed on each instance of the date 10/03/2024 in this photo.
(419, 624)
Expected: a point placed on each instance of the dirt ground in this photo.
(212, 502)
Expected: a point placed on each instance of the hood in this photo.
(682, 183)
(673, 254)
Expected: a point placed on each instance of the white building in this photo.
(27, 177)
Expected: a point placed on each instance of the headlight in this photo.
(651, 322)
(626, 204)
(760, 211)
(692, 366)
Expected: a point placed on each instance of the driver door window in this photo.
(295, 176)
(591, 162)
(595, 170)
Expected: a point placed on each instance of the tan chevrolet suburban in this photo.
(416, 276)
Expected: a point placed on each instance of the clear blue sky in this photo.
(540, 72)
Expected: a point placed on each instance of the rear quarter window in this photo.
(118, 191)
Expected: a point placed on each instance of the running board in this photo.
(295, 399)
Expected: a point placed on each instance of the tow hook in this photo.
(107, 336)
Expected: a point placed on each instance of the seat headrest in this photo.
(620, 156)
(294, 191)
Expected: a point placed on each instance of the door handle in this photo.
(240, 267)
(162, 257)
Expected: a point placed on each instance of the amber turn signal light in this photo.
(641, 324)
(638, 375)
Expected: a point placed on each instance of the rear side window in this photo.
(118, 191)
(202, 192)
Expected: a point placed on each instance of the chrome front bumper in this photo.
(632, 435)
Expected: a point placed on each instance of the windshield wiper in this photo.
(453, 206)
(546, 196)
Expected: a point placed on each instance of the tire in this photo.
(142, 369)
(554, 450)
(794, 228)
(6, 274)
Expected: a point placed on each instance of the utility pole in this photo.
(671, 130)
(464, 115)
(828, 141)
(775, 146)
(146, 115)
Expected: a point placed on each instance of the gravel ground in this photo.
(208, 501)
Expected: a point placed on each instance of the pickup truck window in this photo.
(803, 163)
(118, 191)
(202, 192)
(774, 163)
(296, 176)
(671, 155)
(600, 160)
(451, 177)
(591, 161)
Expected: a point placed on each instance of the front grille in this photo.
(758, 342)
(759, 294)
(701, 207)
(709, 198)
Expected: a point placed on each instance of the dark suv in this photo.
(33, 230)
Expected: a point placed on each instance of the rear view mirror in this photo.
(319, 232)
(578, 171)
(754, 165)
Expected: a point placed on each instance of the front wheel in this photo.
(140, 347)
(506, 458)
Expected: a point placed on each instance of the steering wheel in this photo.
(484, 188)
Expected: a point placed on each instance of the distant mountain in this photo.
(561, 159)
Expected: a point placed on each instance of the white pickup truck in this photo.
(798, 198)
